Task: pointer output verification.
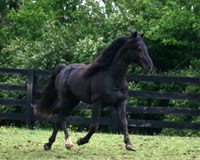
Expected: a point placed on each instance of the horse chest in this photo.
(113, 95)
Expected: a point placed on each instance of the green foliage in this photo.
(88, 48)
(84, 29)
(43, 53)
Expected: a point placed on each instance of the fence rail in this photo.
(31, 88)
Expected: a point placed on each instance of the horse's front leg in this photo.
(115, 95)
(121, 108)
(60, 123)
(96, 112)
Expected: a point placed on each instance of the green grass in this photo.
(27, 144)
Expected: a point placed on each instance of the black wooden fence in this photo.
(29, 86)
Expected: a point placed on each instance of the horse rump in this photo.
(47, 104)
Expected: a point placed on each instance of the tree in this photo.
(171, 28)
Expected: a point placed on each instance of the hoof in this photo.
(47, 147)
(68, 146)
(82, 141)
(68, 143)
(79, 142)
(130, 147)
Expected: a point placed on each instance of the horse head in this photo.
(137, 51)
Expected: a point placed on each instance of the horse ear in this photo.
(134, 33)
(142, 35)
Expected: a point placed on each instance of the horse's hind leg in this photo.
(66, 105)
(68, 141)
(59, 124)
(47, 146)
(65, 108)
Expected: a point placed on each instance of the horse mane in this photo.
(106, 57)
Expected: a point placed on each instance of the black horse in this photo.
(101, 83)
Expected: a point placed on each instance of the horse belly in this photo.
(82, 94)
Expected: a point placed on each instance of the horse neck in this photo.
(119, 66)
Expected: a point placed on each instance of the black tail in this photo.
(46, 105)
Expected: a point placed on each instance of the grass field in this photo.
(27, 144)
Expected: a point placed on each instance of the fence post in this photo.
(30, 97)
